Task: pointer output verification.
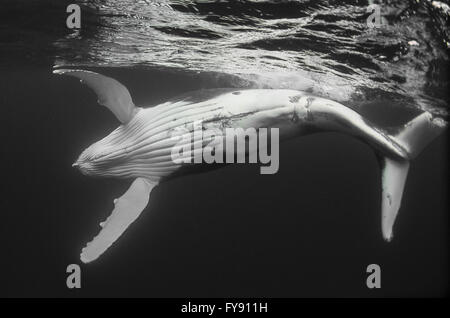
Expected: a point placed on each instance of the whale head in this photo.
(101, 159)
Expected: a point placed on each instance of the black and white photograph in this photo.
(225, 154)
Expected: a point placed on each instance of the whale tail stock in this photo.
(413, 137)
(395, 148)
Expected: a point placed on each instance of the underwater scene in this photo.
(374, 70)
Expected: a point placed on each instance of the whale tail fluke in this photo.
(413, 137)
(393, 178)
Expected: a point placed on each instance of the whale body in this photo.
(140, 148)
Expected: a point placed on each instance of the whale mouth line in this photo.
(83, 166)
(94, 157)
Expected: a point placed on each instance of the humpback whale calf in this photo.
(140, 148)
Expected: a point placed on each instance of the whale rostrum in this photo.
(140, 148)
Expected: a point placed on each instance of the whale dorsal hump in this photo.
(110, 92)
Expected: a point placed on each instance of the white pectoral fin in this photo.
(127, 208)
(110, 92)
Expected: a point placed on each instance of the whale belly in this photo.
(148, 141)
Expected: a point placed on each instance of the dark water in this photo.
(308, 231)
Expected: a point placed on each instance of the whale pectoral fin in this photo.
(394, 174)
(110, 92)
(127, 208)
